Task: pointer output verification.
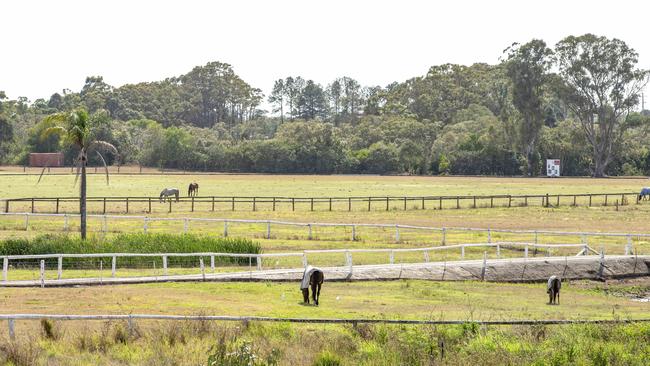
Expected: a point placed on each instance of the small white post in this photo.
(26, 222)
(498, 250)
(164, 260)
(104, 224)
(484, 266)
(397, 233)
(585, 250)
(5, 268)
(444, 236)
(12, 334)
(42, 273)
(354, 232)
(202, 268)
(113, 265)
(186, 224)
(526, 251)
(268, 229)
(392, 257)
(426, 256)
(59, 268)
(65, 222)
(212, 263)
(489, 235)
(535, 236)
(309, 225)
(304, 259)
(225, 228)
(259, 263)
(145, 225)
(462, 252)
(348, 258)
(628, 246)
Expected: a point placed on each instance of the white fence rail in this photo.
(38, 261)
(443, 234)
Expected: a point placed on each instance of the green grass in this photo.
(192, 343)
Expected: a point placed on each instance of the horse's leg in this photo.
(318, 294)
(305, 295)
(558, 297)
(550, 297)
(313, 293)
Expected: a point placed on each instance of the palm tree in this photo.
(75, 129)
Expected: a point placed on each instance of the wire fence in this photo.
(48, 267)
(318, 231)
(237, 203)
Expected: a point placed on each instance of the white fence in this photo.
(22, 263)
(268, 228)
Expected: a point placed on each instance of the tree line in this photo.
(577, 101)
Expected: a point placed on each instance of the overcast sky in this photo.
(50, 45)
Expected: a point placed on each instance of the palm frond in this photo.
(41, 176)
(105, 166)
(103, 146)
(54, 130)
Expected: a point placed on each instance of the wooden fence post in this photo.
(526, 201)
(547, 203)
(312, 203)
(474, 205)
(233, 203)
(170, 206)
(404, 203)
(491, 202)
(225, 228)
(149, 205)
(104, 210)
(440, 203)
(57, 205)
(558, 200)
(574, 200)
(192, 209)
(7, 206)
(274, 205)
(212, 203)
(444, 236)
(354, 232)
(589, 200)
(606, 200)
(254, 204)
(293, 203)
(32, 205)
(349, 204)
(368, 203)
(330, 203)
(509, 201)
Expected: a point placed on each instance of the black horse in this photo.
(313, 277)
(553, 290)
(193, 189)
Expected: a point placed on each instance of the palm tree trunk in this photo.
(82, 200)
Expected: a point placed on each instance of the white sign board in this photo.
(552, 167)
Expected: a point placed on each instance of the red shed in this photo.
(46, 159)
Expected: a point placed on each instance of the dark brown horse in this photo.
(316, 278)
(553, 290)
(193, 189)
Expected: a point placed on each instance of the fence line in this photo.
(348, 256)
(344, 203)
(445, 231)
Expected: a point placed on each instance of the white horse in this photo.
(167, 193)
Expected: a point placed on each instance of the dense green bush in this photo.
(131, 243)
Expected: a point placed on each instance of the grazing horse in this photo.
(193, 189)
(166, 194)
(553, 290)
(313, 277)
(645, 194)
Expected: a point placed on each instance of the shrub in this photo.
(327, 358)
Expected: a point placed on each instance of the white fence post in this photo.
(145, 225)
(304, 259)
(462, 252)
(484, 266)
(225, 228)
(26, 222)
(259, 263)
(489, 235)
(535, 236)
(5, 268)
(354, 232)
(42, 273)
(268, 229)
(59, 268)
(426, 256)
(444, 236)
(65, 222)
(12, 334)
(392, 257)
(309, 231)
(526, 251)
(397, 233)
(113, 265)
(628, 246)
(212, 263)
(186, 224)
(498, 250)
(202, 268)
(164, 260)
(104, 224)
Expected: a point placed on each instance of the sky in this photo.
(47, 46)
